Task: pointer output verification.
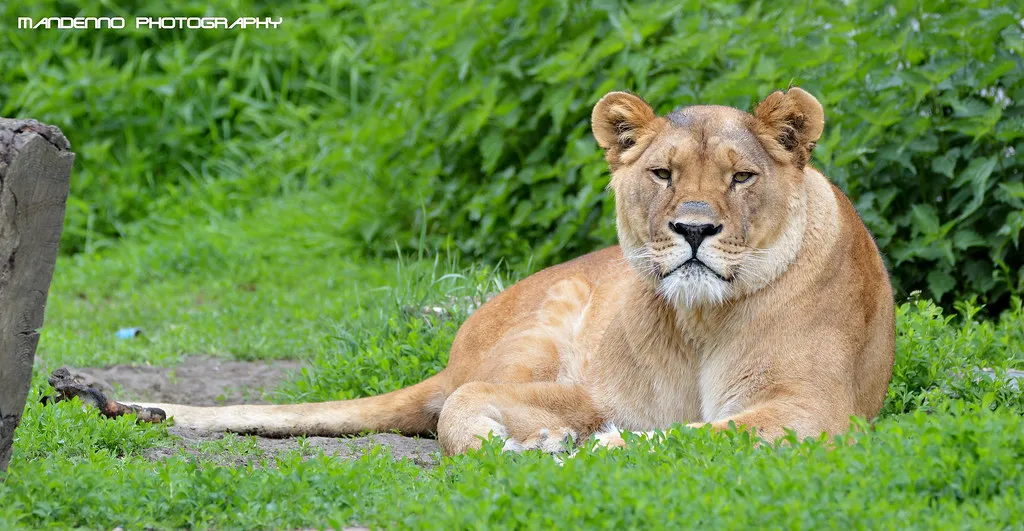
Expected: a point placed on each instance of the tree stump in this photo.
(35, 170)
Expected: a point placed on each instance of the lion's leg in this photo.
(769, 419)
(521, 391)
(772, 419)
(541, 415)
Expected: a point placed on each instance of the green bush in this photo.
(468, 121)
(924, 124)
(945, 359)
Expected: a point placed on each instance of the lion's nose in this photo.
(694, 234)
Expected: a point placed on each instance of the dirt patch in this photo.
(206, 381)
(197, 381)
(236, 450)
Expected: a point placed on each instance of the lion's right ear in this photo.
(619, 121)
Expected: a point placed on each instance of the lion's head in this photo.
(710, 200)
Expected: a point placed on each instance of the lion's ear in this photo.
(619, 121)
(794, 120)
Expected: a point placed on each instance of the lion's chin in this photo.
(694, 286)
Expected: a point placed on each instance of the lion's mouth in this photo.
(695, 263)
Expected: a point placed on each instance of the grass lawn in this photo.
(285, 282)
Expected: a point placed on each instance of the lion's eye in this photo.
(742, 176)
(662, 173)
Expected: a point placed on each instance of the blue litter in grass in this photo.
(128, 333)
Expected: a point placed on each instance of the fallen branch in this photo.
(68, 387)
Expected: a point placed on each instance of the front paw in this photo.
(610, 439)
(561, 440)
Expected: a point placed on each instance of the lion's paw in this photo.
(560, 441)
(610, 439)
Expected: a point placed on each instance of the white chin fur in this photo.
(694, 287)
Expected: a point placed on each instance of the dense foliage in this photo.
(468, 121)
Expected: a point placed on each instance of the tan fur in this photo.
(787, 324)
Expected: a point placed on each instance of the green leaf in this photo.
(1012, 227)
(946, 163)
(925, 219)
(965, 239)
(1013, 194)
(491, 146)
(940, 282)
(976, 175)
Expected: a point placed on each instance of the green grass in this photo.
(947, 452)
(952, 471)
(273, 285)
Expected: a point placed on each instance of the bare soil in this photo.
(207, 381)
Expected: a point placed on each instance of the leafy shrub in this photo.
(941, 360)
(468, 121)
(924, 127)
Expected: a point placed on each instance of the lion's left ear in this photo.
(791, 120)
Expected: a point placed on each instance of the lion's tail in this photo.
(412, 411)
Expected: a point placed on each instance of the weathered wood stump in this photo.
(35, 169)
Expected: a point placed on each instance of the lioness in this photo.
(746, 289)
